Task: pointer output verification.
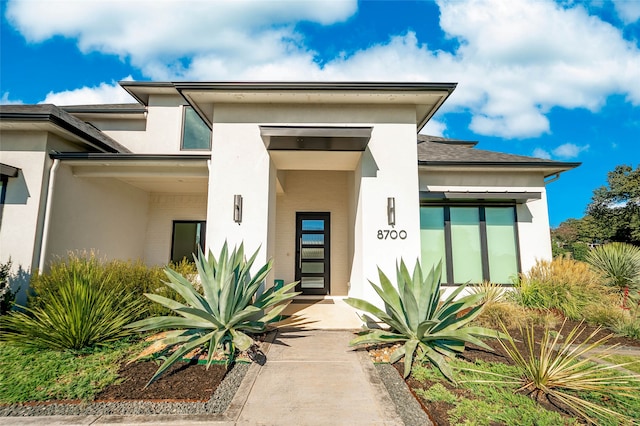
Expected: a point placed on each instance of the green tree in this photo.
(616, 206)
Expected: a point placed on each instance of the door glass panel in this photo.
(465, 242)
(312, 225)
(312, 268)
(312, 282)
(313, 239)
(312, 253)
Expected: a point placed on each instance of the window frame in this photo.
(484, 248)
(203, 234)
(183, 128)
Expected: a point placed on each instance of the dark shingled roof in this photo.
(436, 151)
(64, 120)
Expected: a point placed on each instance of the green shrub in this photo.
(619, 263)
(564, 284)
(220, 315)
(83, 309)
(7, 296)
(429, 324)
(133, 277)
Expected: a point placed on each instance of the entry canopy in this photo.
(313, 138)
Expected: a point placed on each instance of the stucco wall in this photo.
(314, 191)
(21, 225)
(387, 169)
(162, 133)
(533, 216)
(163, 210)
(97, 213)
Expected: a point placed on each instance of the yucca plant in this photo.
(558, 369)
(418, 315)
(223, 313)
(619, 263)
(83, 310)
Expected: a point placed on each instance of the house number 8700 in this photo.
(385, 234)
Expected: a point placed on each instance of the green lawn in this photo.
(41, 375)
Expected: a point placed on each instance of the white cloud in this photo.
(4, 100)
(627, 10)
(569, 150)
(542, 153)
(516, 61)
(103, 94)
(434, 128)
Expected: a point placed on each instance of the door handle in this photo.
(300, 256)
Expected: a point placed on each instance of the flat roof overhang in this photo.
(160, 173)
(425, 97)
(313, 138)
(9, 171)
(494, 196)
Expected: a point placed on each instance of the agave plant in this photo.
(418, 315)
(225, 311)
(558, 369)
(618, 262)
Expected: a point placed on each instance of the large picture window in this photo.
(195, 133)
(187, 237)
(474, 243)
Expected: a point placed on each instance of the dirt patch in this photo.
(182, 382)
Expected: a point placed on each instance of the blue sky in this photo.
(558, 80)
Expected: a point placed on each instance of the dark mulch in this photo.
(438, 411)
(182, 382)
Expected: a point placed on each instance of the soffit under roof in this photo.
(184, 174)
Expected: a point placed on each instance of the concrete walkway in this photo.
(313, 378)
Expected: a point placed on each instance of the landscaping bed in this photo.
(494, 404)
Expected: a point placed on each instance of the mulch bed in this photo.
(438, 411)
(182, 382)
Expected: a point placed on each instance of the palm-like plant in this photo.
(418, 315)
(618, 262)
(226, 310)
(558, 369)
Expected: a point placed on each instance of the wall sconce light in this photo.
(391, 210)
(237, 208)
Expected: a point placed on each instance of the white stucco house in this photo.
(330, 180)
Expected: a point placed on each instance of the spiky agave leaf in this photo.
(417, 315)
(226, 310)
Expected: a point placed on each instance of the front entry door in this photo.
(312, 253)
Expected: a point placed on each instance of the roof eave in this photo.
(549, 168)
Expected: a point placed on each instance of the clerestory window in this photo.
(195, 132)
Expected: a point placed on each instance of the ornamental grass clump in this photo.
(561, 371)
(563, 284)
(83, 309)
(223, 314)
(430, 325)
(619, 263)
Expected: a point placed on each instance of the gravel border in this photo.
(217, 404)
(407, 407)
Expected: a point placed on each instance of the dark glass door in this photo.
(312, 253)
